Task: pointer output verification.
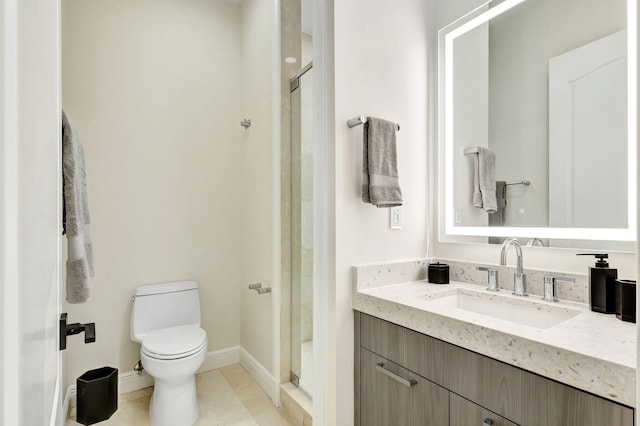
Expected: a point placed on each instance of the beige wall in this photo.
(380, 70)
(154, 91)
(256, 226)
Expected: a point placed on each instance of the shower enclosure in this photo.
(302, 230)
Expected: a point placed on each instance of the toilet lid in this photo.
(174, 342)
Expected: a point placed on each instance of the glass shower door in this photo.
(302, 230)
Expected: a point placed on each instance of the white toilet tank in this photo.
(165, 305)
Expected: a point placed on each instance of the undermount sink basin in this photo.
(521, 310)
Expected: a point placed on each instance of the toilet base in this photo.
(174, 403)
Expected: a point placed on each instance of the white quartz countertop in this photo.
(590, 351)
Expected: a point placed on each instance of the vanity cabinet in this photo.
(474, 387)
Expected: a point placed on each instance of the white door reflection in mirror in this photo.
(587, 115)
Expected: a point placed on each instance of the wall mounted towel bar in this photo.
(522, 182)
(472, 150)
(476, 149)
(361, 120)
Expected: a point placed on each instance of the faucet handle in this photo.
(550, 286)
(493, 277)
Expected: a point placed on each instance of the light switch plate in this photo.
(395, 218)
(458, 216)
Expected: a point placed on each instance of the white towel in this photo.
(75, 216)
(484, 180)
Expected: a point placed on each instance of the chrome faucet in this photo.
(519, 278)
(533, 242)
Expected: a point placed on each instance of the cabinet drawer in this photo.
(392, 395)
(408, 348)
(465, 413)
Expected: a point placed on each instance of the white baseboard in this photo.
(70, 400)
(130, 381)
(220, 358)
(66, 403)
(261, 375)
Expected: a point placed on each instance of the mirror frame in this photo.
(446, 37)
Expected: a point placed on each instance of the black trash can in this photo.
(97, 395)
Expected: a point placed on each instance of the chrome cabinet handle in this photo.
(487, 422)
(408, 383)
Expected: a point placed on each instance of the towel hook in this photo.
(259, 289)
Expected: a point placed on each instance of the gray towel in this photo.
(75, 216)
(380, 185)
(484, 180)
(497, 218)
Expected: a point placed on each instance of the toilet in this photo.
(165, 319)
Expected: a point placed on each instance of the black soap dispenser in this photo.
(602, 286)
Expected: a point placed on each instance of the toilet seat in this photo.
(174, 342)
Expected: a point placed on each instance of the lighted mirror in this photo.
(545, 91)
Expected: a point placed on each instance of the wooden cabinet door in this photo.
(391, 395)
(463, 412)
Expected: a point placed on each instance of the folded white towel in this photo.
(484, 180)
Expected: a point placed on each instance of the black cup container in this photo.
(438, 273)
(602, 290)
(97, 395)
(626, 300)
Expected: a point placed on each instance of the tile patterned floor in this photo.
(227, 397)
